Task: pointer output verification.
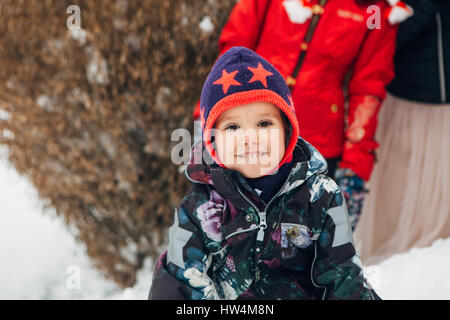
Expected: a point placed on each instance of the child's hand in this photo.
(354, 192)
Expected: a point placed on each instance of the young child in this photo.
(261, 220)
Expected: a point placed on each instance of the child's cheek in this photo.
(225, 148)
(219, 145)
(277, 142)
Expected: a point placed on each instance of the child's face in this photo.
(250, 138)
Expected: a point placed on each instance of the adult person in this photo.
(314, 44)
(408, 205)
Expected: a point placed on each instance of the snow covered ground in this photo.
(40, 260)
(420, 274)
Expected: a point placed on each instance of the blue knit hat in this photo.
(240, 76)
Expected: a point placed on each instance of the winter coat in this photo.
(226, 243)
(422, 58)
(340, 42)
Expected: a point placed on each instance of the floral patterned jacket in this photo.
(226, 243)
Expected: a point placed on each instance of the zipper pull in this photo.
(262, 226)
(260, 235)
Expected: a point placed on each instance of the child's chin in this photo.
(253, 171)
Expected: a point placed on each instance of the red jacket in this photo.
(341, 41)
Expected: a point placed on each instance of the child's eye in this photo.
(265, 123)
(232, 127)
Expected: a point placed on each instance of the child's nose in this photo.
(250, 137)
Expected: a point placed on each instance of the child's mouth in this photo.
(251, 155)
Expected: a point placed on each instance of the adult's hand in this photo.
(354, 192)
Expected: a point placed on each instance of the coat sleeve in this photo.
(181, 271)
(337, 269)
(244, 25)
(373, 70)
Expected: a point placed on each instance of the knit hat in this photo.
(240, 76)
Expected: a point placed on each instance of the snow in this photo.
(41, 260)
(97, 69)
(79, 34)
(45, 103)
(206, 25)
(419, 274)
(4, 115)
(7, 134)
(39, 256)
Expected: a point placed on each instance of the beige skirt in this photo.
(409, 200)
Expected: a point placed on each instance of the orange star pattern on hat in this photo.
(227, 80)
(260, 74)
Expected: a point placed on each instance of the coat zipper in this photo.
(262, 215)
(240, 231)
(312, 269)
(441, 58)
